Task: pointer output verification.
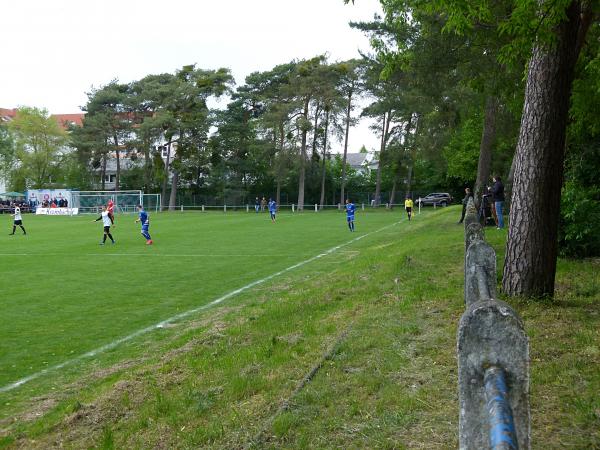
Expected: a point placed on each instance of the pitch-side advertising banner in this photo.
(57, 211)
(41, 196)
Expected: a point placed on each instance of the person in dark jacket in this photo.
(468, 195)
(498, 191)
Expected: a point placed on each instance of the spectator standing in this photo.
(498, 191)
(465, 201)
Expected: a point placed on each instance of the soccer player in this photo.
(257, 205)
(110, 207)
(145, 219)
(408, 206)
(107, 222)
(18, 221)
(350, 208)
(272, 209)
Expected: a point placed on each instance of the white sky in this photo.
(55, 51)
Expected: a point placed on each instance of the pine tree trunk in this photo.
(394, 186)
(303, 160)
(173, 196)
(103, 171)
(531, 253)
(147, 167)
(488, 136)
(346, 134)
(323, 162)
(409, 181)
(117, 153)
(384, 135)
(163, 195)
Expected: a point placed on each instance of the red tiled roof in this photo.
(7, 114)
(65, 120)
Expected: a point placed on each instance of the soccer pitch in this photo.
(63, 295)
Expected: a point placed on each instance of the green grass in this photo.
(378, 317)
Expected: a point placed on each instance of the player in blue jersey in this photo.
(144, 218)
(272, 209)
(350, 208)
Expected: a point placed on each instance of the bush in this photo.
(580, 221)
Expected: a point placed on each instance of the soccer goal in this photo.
(92, 201)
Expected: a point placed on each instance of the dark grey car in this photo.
(437, 199)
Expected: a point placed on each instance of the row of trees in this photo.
(274, 136)
(485, 78)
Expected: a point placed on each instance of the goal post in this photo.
(92, 201)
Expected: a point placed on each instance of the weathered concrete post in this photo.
(480, 272)
(491, 336)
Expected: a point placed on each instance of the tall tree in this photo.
(38, 140)
(108, 114)
(532, 248)
(305, 82)
(351, 85)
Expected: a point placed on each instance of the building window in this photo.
(110, 178)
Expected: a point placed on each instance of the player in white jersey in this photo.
(107, 221)
(17, 221)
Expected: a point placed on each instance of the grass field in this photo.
(353, 347)
(65, 295)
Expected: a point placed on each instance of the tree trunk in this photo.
(103, 171)
(409, 181)
(303, 159)
(173, 196)
(163, 195)
(348, 112)
(531, 251)
(314, 143)
(394, 186)
(147, 166)
(323, 165)
(488, 136)
(384, 136)
(117, 153)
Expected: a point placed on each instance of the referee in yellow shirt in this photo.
(408, 206)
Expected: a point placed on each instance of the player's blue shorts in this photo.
(350, 218)
(145, 227)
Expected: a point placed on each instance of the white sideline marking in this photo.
(111, 345)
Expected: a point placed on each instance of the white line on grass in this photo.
(111, 345)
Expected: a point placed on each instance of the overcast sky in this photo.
(55, 51)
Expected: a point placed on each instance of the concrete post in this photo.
(473, 232)
(316, 207)
(480, 272)
(224, 208)
(363, 206)
(491, 335)
(181, 208)
(247, 208)
(292, 207)
(471, 213)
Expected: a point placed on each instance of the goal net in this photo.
(92, 201)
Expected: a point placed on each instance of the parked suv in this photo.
(437, 198)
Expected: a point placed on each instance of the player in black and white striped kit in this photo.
(107, 221)
(18, 221)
